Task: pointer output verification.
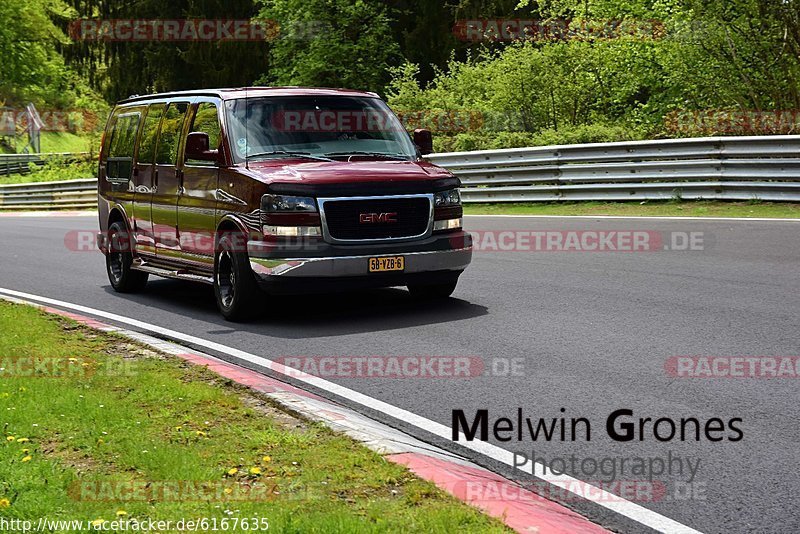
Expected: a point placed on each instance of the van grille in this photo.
(345, 218)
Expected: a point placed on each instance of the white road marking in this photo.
(621, 506)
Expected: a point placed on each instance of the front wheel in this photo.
(119, 259)
(433, 291)
(234, 285)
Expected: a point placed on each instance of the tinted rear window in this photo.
(122, 143)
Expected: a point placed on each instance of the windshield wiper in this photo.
(374, 154)
(306, 155)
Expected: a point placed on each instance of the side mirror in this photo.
(197, 147)
(424, 140)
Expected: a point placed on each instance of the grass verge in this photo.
(53, 170)
(699, 208)
(69, 142)
(125, 433)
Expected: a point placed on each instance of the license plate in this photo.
(392, 263)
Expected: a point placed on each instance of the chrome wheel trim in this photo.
(226, 279)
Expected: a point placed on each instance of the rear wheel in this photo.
(433, 291)
(119, 259)
(234, 284)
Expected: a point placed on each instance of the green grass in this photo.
(68, 142)
(52, 171)
(123, 414)
(60, 142)
(700, 208)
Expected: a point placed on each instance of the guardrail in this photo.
(67, 194)
(19, 163)
(726, 168)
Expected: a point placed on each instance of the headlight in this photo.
(444, 199)
(286, 216)
(283, 203)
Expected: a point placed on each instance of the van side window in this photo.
(123, 139)
(171, 129)
(147, 144)
(206, 120)
(109, 133)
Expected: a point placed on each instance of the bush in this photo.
(489, 140)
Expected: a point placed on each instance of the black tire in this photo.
(433, 291)
(119, 258)
(234, 284)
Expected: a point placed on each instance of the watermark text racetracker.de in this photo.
(199, 524)
(736, 367)
(399, 367)
(63, 367)
(586, 241)
(616, 241)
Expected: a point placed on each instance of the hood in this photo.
(321, 173)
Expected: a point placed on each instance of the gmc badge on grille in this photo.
(377, 218)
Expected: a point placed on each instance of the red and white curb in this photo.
(520, 509)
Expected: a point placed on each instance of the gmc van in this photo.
(285, 190)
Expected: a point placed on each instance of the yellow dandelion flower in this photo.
(5, 503)
(121, 513)
(232, 471)
(10, 438)
(27, 458)
(100, 441)
(98, 522)
(25, 451)
(22, 440)
(266, 459)
(178, 428)
(200, 433)
(255, 470)
(73, 359)
(228, 491)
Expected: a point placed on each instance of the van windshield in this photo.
(316, 127)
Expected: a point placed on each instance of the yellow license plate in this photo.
(392, 263)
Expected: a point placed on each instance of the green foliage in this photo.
(702, 55)
(120, 69)
(331, 43)
(489, 140)
(723, 55)
(32, 68)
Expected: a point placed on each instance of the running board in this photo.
(181, 274)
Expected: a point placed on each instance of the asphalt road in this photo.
(594, 330)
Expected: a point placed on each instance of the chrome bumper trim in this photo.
(335, 266)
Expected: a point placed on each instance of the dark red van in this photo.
(284, 189)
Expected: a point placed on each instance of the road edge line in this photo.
(621, 506)
(457, 476)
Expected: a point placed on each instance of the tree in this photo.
(331, 43)
(31, 69)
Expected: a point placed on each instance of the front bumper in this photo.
(437, 258)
